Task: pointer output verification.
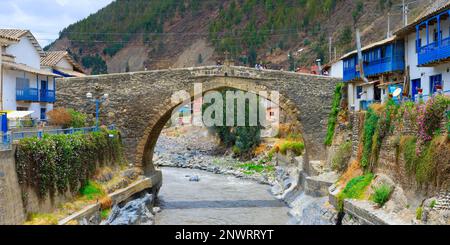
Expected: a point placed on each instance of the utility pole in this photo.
(330, 49)
(389, 26)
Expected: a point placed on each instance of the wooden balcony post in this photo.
(439, 30)
(428, 33)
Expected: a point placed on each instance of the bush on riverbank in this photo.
(355, 188)
(57, 163)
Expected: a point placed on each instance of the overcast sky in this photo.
(46, 18)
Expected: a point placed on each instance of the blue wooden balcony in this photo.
(27, 94)
(376, 67)
(35, 95)
(434, 52)
(47, 96)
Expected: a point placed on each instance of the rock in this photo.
(156, 210)
(136, 212)
(397, 202)
(194, 179)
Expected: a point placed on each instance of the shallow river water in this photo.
(216, 200)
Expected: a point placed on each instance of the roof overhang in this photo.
(22, 67)
(373, 45)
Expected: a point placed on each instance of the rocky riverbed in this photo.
(189, 154)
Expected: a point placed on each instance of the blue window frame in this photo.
(358, 92)
(435, 80)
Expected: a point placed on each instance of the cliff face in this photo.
(137, 35)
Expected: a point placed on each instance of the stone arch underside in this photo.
(140, 103)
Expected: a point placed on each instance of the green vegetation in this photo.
(96, 63)
(41, 219)
(355, 188)
(252, 168)
(57, 163)
(342, 156)
(335, 108)
(381, 194)
(242, 139)
(297, 147)
(78, 119)
(92, 191)
(433, 204)
(419, 213)
(105, 214)
(370, 126)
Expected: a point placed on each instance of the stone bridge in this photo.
(140, 103)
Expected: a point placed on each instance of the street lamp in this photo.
(97, 102)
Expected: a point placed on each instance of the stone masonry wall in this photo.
(11, 207)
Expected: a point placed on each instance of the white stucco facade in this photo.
(424, 73)
(337, 69)
(24, 54)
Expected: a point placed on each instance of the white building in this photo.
(427, 56)
(24, 85)
(60, 63)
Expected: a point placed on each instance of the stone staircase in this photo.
(443, 201)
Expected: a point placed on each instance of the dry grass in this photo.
(106, 203)
(352, 171)
(260, 150)
(378, 107)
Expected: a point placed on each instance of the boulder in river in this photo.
(194, 178)
(136, 212)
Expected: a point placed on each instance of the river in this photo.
(216, 200)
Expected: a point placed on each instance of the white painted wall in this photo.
(337, 69)
(25, 53)
(353, 100)
(64, 63)
(9, 91)
(424, 73)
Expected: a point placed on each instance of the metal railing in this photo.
(5, 141)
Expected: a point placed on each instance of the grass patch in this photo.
(42, 219)
(92, 191)
(381, 195)
(419, 213)
(295, 146)
(433, 204)
(355, 188)
(251, 168)
(105, 214)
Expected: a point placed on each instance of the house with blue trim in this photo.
(62, 64)
(427, 57)
(383, 66)
(24, 85)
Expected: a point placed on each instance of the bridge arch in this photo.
(140, 103)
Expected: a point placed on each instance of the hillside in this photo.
(132, 35)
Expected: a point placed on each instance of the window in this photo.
(435, 82)
(22, 108)
(43, 113)
(22, 83)
(358, 92)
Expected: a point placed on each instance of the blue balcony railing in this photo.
(376, 67)
(47, 96)
(27, 94)
(434, 52)
(35, 95)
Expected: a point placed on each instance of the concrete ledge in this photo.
(117, 197)
(317, 186)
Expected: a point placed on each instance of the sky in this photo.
(46, 18)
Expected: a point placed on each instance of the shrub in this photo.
(381, 194)
(60, 116)
(370, 126)
(335, 108)
(433, 204)
(59, 162)
(294, 146)
(78, 119)
(342, 156)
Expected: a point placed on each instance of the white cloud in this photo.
(46, 18)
